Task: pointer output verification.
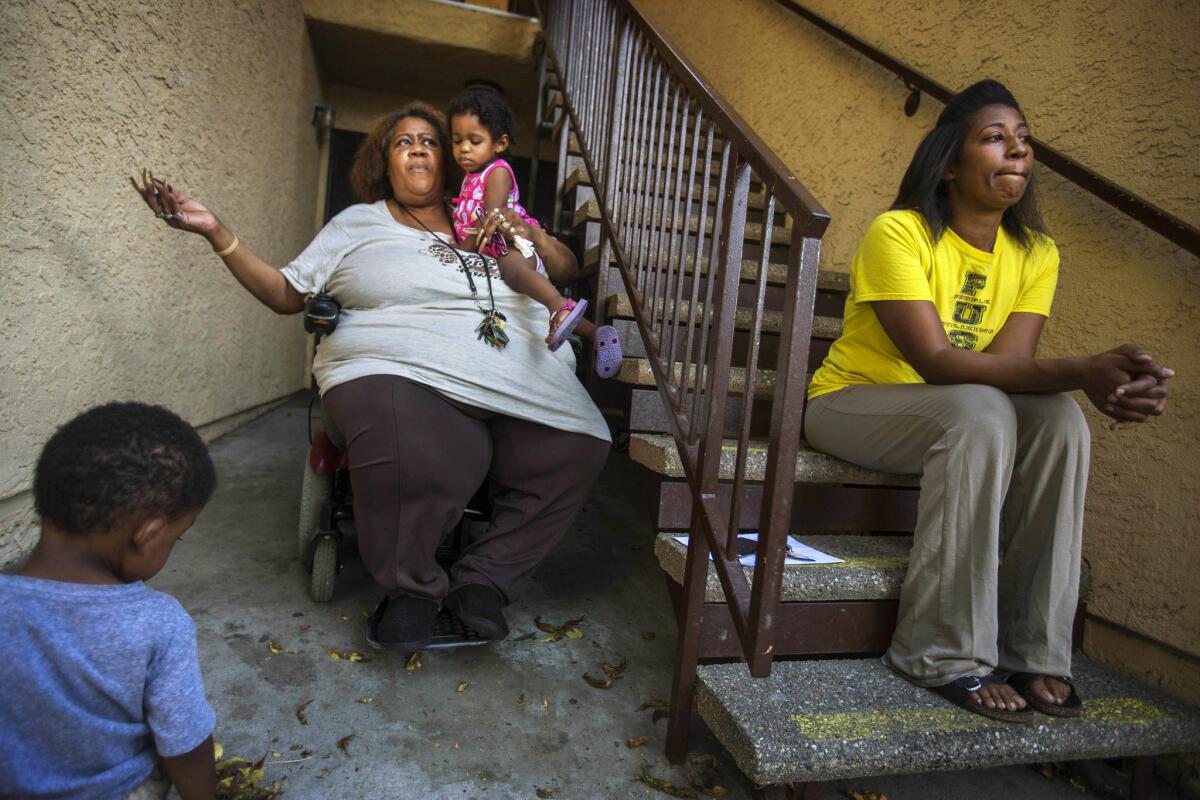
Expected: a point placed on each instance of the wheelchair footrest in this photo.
(449, 632)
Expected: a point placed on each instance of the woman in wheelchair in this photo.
(428, 409)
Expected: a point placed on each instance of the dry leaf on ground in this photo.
(238, 779)
(276, 649)
(702, 776)
(462, 687)
(414, 662)
(612, 674)
(654, 702)
(366, 701)
(544, 793)
(664, 786)
(344, 744)
(343, 655)
(300, 715)
(556, 632)
(637, 741)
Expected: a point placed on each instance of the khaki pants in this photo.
(993, 575)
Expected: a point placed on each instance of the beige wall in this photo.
(1112, 84)
(101, 301)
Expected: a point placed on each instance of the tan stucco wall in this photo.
(1113, 85)
(101, 301)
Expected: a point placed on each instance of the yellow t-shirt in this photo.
(973, 291)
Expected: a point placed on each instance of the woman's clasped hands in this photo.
(1126, 384)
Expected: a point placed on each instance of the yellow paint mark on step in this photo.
(885, 723)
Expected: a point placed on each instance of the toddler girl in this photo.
(481, 124)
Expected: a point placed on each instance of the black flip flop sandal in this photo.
(448, 632)
(1071, 707)
(959, 692)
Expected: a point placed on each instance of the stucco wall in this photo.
(1112, 84)
(101, 301)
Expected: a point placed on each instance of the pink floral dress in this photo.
(470, 202)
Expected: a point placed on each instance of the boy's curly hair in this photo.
(493, 111)
(119, 462)
(369, 171)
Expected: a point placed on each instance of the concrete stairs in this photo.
(814, 721)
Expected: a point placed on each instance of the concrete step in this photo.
(757, 201)
(659, 454)
(831, 720)
(780, 234)
(619, 306)
(830, 281)
(637, 371)
(873, 568)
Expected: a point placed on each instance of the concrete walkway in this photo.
(498, 721)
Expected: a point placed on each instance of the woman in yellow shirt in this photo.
(936, 373)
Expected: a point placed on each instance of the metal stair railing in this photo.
(659, 142)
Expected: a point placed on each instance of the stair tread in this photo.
(780, 234)
(827, 280)
(658, 453)
(755, 200)
(772, 321)
(837, 719)
(637, 371)
(872, 569)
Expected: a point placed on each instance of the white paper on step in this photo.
(798, 553)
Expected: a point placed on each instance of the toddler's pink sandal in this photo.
(560, 330)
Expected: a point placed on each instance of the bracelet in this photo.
(230, 249)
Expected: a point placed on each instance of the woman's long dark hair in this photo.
(923, 188)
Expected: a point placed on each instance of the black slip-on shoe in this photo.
(479, 607)
(1071, 707)
(402, 623)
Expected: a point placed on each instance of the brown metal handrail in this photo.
(661, 145)
(1156, 219)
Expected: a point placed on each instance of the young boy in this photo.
(101, 678)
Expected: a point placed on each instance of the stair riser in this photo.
(631, 344)
(647, 414)
(827, 304)
(814, 508)
(802, 629)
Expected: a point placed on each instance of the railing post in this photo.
(787, 426)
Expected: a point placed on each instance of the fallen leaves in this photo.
(554, 633)
(300, 715)
(544, 704)
(366, 701)
(342, 655)
(637, 741)
(239, 779)
(521, 699)
(344, 744)
(276, 649)
(612, 674)
(654, 702)
(414, 662)
(664, 786)
(462, 687)
(544, 793)
(856, 795)
(701, 780)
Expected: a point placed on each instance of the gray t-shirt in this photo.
(407, 310)
(99, 683)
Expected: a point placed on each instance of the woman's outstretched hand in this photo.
(177, 210)
(1127, 384)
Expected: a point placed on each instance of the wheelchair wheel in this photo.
(314, 491)
(324, 570)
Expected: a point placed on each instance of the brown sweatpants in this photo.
(416, 458)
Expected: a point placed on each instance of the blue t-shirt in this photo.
(98, 683)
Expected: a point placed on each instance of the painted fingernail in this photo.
(1168, 372)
